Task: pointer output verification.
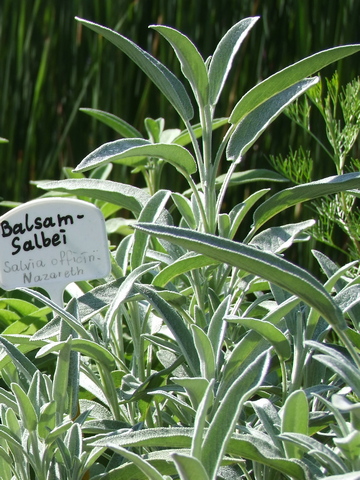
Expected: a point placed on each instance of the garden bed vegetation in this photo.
(208, 352)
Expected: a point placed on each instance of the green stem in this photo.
(208, 182)
(198, 200)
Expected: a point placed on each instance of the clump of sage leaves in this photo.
(200, 356)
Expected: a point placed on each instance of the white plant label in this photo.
(51, 242)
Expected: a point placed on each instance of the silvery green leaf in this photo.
(278, 239)
(254, 123)
(302, 193)
(263, 264)
(222, 59)
(161, 76)
(133, 151)
(286, 78)
(192, 64)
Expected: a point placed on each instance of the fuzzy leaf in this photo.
(175, 323)
(222, 59)
(189, 467)
(266, 265)
(249, 129)
(278, 239)
(27, 410)
(114, 122)
(287, 77)
(274, 335)
(302, 193)
(295, 418)
(192, 64)
(131, 151)
(222, 425)
(150, 213)
(126, 196)
(183, 265)
(166, 81)
(205, 351)
(339, 364)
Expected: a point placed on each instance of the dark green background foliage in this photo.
(50, 67)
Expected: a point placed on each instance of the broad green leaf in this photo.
(278, 239)
(273, 334)
(192, 64)
(20, 306)
(224, 421)
(150, 213)
(47, 419)
(161, 76)
(116, 123)
(126, 196)
(286, 78)
(201, 420)
(249, 129)
(265, 265)
(295, 418)
(183, 204)
(195, 388)
(129, 150)
(183, 265)
(73, 440)
(189, 467)
(176, 325)
(302, 193)
(27, 411)
(205, 352)
(222, 59)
